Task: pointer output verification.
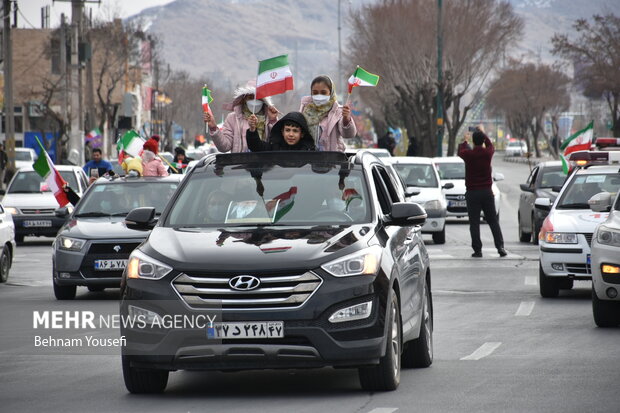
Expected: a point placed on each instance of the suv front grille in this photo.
(274, 291)
(35, 211)
(588, 237)
(574, 268)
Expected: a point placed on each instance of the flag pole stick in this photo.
(169, 164)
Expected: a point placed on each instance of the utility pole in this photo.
(64, 82)
(76, 138)
(7, 47)
(439, 78)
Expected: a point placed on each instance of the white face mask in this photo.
(254, 105)
(320, 99)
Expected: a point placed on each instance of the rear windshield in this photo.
(552, 177)
(117, 199)
(23, 156)
(583, 187)
(29, 182)
(451, 170)
(419, 175)
(268, 195)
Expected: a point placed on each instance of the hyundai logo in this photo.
(244, 282)
(461, 197)
(117, 248)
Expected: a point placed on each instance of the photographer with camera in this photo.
(479, 194)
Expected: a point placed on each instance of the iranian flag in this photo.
(94, 137)
(362, 78)
(282, 204)
(46, 169)
(274, 77)
(579, 141)
(130, 144)
(206, 99)
(348, 195)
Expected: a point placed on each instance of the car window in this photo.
(234, 195)
(120, 198)
(552, 177)
(583, 187)
(451, 170)
(23, 156)
(419, 175)
(27, 182)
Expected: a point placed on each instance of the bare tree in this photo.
(475, 36)
(595, 53)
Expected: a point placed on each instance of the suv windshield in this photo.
(452, 170)
(117, 199)
(583, 187)
(270, 194)
(419, 175)
(29, 182)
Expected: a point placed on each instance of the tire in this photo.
(606, 313)
(419, 352)
(535, 231)
(143, 380)
(5, 264)
(565, 284)
(64, 292)
(386, 375)
(548, 287)
(95, 289)
(440, 237)
(523, 236)
(19, 239)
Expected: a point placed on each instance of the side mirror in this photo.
(498, 176)
(141, 219)
(62, 212)
(526, 188)
(600, 202)
(449, 185)
(412, 191)
(556, 188)
(543, 203)
(407, 213)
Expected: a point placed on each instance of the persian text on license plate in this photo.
(257, 329)
(110, 265)
(458, 203)
(38, 223)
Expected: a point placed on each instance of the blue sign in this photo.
(49, 143)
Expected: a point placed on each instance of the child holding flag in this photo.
(328, 122)
(231, 137)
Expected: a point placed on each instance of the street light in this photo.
(439, 79)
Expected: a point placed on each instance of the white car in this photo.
(566, 233)
(606, 262)
(24, 157)
(378, 152)
(420, 178)
(451, 169)
(33, 205)
(7, 243)
(516, 148)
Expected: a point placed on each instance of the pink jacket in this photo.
(154, 167)
(231, 137)
(332, 128)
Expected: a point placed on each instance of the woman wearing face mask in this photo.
(329, 123)
(231, 137)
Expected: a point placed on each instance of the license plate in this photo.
(38, 223)
(258, 329)
(457, 203)
(110, 265)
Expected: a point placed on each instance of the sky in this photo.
(30, 10)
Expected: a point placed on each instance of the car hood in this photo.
(580, 221)
(459, 186)
(425, 195)
(100, 228)
(239, 249)
(38, 200)
(546, 193)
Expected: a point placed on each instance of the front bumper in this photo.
(434, 225)
(605, 254)
(566, 260)
(24, 225)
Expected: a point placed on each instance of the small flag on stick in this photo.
(206, 100)
(45, 168)
(362, 78)
(130, 144)
(274, 77)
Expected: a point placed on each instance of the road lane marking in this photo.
(531, 280)
(525, 309)
(384, 410)
(483, 351)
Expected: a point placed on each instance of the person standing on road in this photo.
(4, 162)
(328, 122)
(479, 194)
(387, 142)
(231, 137)
(96, 162)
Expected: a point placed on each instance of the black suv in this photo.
(302, 260)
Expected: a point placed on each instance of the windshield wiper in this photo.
(575, 205)
(93, 214)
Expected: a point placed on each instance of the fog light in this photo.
(558, 267)
(137, 313)
(610, 269)
(612, 292)
(64, 275)
(355, 312)
(434, 224)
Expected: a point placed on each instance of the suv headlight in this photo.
(364, 262)
(70, 244)
(560, 237)
(608, 236)
(141, 265)
(433, 205)
(11, 210)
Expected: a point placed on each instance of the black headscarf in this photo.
(306, 143)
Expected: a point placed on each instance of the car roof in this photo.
(409, 160)
(447, 159)
(24, 150)
(29, 168)
(597, 169)
(547, 164)
(132, 179)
